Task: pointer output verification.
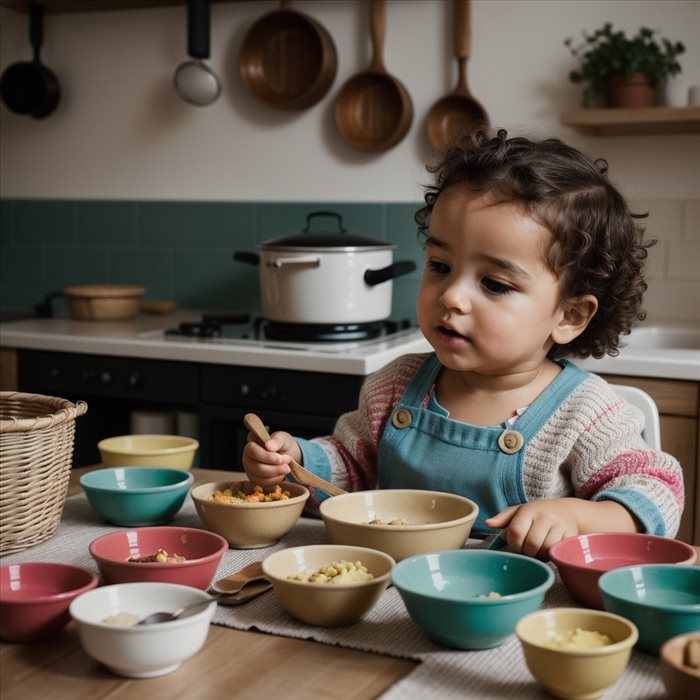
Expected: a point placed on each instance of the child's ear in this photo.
(576, 314)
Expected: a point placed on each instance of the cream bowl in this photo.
(141, 651)
(434, 520)
(326, 604)
(249, 525)
(175, 451)
(575, 674)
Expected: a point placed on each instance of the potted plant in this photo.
(625, 72)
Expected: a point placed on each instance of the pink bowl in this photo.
(34, 599)
(202, 549)
(582, 559)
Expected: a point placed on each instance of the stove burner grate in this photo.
(241, 326)
(322, 332)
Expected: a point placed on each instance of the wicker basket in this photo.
(36, 451)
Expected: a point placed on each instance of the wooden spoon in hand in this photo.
(302, 475)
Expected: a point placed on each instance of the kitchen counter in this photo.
(662, 349)
(144, 337)
(656, 348)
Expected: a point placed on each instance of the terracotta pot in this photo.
(629, 91)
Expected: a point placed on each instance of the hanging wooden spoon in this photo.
(458, 113)
(302, 475)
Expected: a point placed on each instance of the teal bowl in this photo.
(663, 600)
(136, 496)
(450, 594)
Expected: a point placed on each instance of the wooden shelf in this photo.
(62, 6)
(646, 120)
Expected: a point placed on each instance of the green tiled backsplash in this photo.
(177, 250)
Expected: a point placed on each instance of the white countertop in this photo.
(143, 337)
(646, 353)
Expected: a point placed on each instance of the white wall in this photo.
(121, 132)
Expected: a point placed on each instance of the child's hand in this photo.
(532, 528)
(269, 465)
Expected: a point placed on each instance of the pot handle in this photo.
(403, 267)
(312, 260)
(245, 257)
(324, 213)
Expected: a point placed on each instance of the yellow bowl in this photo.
(327, 604)
(575, 674)
(174, 451)
(433, 520)
(249, 525)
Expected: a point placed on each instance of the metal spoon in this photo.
(302, 475)
(186, 611)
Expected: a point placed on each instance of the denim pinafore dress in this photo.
(423, 448)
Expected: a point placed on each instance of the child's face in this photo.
(488, 301)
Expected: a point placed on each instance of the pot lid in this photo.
(341, 238)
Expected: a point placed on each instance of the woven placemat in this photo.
(496, 674)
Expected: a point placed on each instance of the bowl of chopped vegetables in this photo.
(249, 516)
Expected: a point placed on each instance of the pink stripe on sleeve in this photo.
(633, 463)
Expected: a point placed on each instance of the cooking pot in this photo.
(322, 277)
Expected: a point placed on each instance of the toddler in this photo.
(532, 256)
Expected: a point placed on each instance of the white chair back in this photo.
(644, 402)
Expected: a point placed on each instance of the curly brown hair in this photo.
(598, 247)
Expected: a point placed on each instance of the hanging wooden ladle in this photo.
(373, 110)
(458, 113)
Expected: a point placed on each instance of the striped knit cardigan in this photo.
(591, 447)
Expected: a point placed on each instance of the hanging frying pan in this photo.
(195, 82)
(458, 113)
(30, 87)
(373, 110)
(288, 60)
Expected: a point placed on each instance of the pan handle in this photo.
(245, 257)
(198, 28)
(384, 274)
(44, 309)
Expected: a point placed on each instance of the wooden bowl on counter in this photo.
(104, 302)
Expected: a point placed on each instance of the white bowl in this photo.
(141, 651)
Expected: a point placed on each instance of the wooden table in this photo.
(233, 663)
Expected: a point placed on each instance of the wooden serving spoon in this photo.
(302, 475)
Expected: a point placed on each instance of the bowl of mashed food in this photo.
(328, 585)
(247, 515)
(107, 622)
(575, 653)
(166, 554)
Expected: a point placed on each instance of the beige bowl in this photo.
(327, 604)
(435, 520)
(249, 525)
(575, 674)
(174, 451)
(104, 302)
(682, 680)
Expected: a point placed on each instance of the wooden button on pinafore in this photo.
(401, 418)
(510, 441)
